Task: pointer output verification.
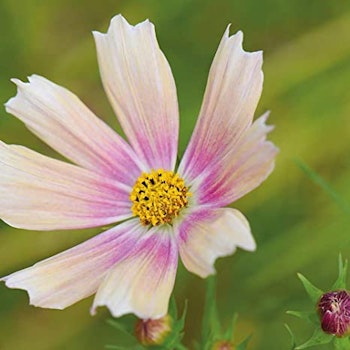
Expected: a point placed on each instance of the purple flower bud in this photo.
(334, 310)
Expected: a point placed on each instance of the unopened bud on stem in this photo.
(153, 332)
(334, 310)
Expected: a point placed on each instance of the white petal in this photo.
(140, 86)
(41, 193)
(206, 235)
(60, 119)
(76, 273)
(142, 284)
(232, 94)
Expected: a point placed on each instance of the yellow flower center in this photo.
(158, 197)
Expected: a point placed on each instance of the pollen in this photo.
(158, 197)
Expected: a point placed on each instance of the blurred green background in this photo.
(299, 226)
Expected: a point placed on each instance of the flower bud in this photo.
(153, 332)
(334, 311)
(223, 345)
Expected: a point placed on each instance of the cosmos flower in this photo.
(162, 211)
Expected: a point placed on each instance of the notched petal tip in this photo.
(17, 82)
(238, 36)
(227, 31)
(120, 21)
(4, 279)
(208, 235)
(265, 116)
(236, 40)
(261, 123)
(33, 301)
(93, 311)
(22, 86)
(31, 80)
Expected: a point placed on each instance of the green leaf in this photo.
(310, 316)
(340, 283)
(318, 338)
(121, 327)
(319, 180)
(313, 292)
(293, 345)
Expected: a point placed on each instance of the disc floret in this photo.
(158, 197)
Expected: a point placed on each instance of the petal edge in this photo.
(206, 235)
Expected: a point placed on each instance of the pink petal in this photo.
(140, 86)
(143, 282)
(232, 94)
(41, 193)
(60, 119)
(206, 235)
(245, 168)
(76, 273)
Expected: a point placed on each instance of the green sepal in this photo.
(173, 340)
(243, 345)
(173, 308)
(310, 316)
(340, 283)
(293, 341)
(228, 334)
(212, 331)
(313, 292)
(341, 343)
(318, 338)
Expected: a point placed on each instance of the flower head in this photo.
(163, 211)
(334, 310)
